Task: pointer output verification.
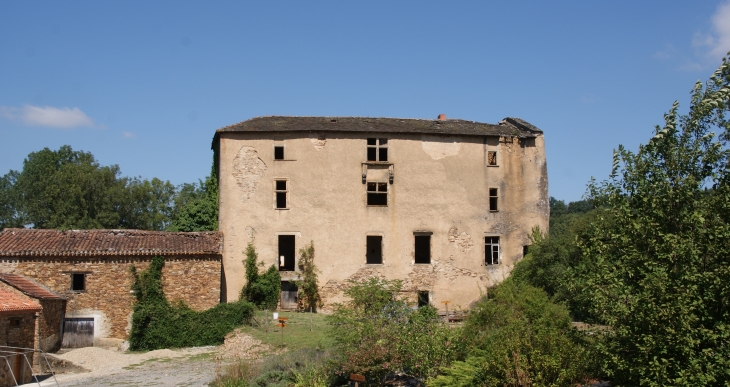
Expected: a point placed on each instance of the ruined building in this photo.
(445, 205)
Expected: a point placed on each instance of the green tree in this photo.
(9, 213)
(661, 262)
(263, 290)
(196, 206)
(308, 286)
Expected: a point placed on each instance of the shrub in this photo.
(308, 288)
(380, 335)
(519, 338)
(157, 324)
(262, 290)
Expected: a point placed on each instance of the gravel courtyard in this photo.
(95, 366)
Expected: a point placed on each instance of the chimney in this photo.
(442, 117)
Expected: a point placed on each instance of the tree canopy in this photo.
(68, 189)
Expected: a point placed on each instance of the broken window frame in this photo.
(372, 241)
(279, 151)
(492, 251)
(377, 193)
(493, 199)
(492, 160)
(377, 149)
(78, 282)
(279, 193)
(421, 257)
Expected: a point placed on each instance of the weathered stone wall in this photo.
(18, 336)
(440, 185)
(108, 298)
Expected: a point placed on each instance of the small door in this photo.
(78, 332)
(288, 295)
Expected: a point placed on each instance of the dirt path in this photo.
(165, 367)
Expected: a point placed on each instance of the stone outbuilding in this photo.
(17, 330)
(445, 205)
(91, 269)
(49, 322)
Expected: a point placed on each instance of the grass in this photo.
(297, 333)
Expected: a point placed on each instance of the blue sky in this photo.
(145, 84)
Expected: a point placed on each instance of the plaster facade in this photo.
(439, 186)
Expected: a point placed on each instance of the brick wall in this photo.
(192, 279)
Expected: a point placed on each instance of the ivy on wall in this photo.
(158, 324)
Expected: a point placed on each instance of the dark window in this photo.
(374, 249)
(15, 323)
(491, 250)
(286, 252)
(525, 250)
(491, 158)
(278, 153)
(377, 149)
(493, 199)
(377, 194)
(78, 282)
(423, 249)
(281, 194)
(423, 298)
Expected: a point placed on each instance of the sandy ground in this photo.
(96, 366)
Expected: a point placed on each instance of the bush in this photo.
(380, 335)
(308, 292)
(518, 337)
(262, 290)
(157, 324)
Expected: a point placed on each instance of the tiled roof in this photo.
(508, 127)
(11, 302)
(21, 242)
(29, 287)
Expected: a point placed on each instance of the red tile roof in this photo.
(29, 287)
(11, 302)
(21, 242)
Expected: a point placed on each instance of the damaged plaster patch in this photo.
(249, 169)
(461, 240)
(332, 288)
(439, 147)
(319, 141)
(251, 233)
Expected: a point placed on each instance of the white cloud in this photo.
(47, 116)
(721, 26)
(129, 135)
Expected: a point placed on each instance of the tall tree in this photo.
(196, 206)
(660, 273)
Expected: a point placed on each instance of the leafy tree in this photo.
(9, 215)
(661, 262)
(308, 287)
(196, 206)
(262, 290)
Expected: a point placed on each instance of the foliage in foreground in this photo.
(661, 274)
(262, 290)
(518, 337)
(157, 324)
(379, 335)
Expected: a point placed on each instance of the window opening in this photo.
(525, 250)
(15, 323)
(491, 250)
(491, 157)
(423, 249)
(374, 253)
(286, 252)
(423, 298)
(493, 199)
(78, 282)
(278, 153)
(377, 194)
(281, 194)
(377, 149)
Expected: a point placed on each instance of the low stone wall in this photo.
(108, 298)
